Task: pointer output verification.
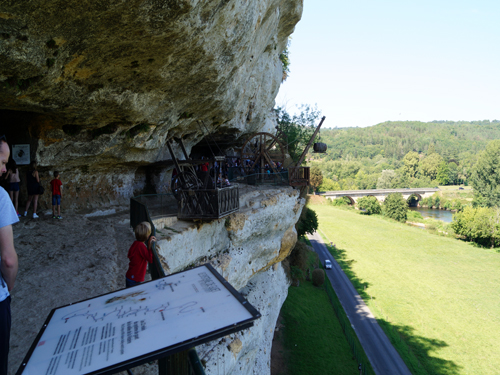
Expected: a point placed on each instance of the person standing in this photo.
(13, 177)
(33, 185)
(139, 254)
(56, 186)
(8, 260)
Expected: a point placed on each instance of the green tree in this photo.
(431, 149)
(480, 225)
(428, 166)
(395, 207)
(308, 222)
(387, 179)
(297, 129)
(410, 164)
(486, 176)
(316, 178)
(370, 204)
(443, 174)
(453, 173)
(329, 185)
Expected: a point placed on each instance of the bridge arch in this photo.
(413, 200)
(352, 202)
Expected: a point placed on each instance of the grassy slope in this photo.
(314, 340)
(441, 293)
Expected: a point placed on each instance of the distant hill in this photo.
(393, 139)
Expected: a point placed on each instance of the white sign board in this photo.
(21, 154)
(119, 327)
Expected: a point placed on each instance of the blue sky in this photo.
(368, 61)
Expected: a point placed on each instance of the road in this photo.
(384, 359)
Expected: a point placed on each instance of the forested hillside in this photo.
(394, 139)
(402, 154)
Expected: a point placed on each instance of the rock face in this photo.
(98, 86)
(247, 249)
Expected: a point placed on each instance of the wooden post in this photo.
(310, 142)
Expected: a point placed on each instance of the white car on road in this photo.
(328, 264)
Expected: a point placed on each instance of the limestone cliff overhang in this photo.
(123, 76)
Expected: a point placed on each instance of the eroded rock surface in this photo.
(96, 87)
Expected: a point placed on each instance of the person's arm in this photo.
(36, 176)
(60, 189)
(9, 264)
(150, 242)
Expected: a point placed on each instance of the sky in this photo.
(364, 62)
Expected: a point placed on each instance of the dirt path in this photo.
(64, 261)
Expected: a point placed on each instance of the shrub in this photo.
(480, 225)
(396, 207)
(457, 205)
(318, 277)
(414, 215)
(437, 201)
(426, 202)
(297, 274)
(298, 256)
(447, 205)
(370, 204)
(343, 201)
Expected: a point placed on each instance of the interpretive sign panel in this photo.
(21, 154)
(135, 325)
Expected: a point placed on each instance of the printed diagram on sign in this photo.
(119, 312)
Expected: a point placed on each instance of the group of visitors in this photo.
(11, 182)
(139, 253)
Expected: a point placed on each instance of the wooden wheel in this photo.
(259, 150)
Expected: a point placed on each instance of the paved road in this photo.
(384, 359)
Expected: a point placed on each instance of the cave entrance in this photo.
(23, 128)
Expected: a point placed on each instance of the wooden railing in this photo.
(298, 176)
(208, 203)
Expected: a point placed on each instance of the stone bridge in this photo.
(380, 194)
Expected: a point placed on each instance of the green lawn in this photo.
(314, 340)
(439, 295)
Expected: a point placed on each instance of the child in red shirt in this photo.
(56, 187)
(139, 255)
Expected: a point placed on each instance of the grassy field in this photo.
(453, 192)
(314, 341)
(438, 298)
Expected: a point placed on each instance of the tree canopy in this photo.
(486, 176)
(395, 207)
(298, 128)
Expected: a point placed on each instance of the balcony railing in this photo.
(299, 176)
(208, 203)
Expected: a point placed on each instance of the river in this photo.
(443, 215)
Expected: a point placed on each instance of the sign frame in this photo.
(25, 158)
(169, 350)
